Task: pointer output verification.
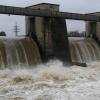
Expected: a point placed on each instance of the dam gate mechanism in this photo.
(46, 25)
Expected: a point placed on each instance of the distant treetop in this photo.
(2, 33)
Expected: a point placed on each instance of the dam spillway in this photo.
(49, 39)
(84, 50)
(21, 51)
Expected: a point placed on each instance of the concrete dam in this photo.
(28, 69)
(47, 38)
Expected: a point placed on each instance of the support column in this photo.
(50, 34)
(60, 40)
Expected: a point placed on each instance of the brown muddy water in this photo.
(51, 81)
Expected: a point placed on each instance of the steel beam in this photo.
(44, 13)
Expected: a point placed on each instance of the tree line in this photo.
(76, 34)
(2, 33)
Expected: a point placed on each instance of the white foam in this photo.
(51, 81)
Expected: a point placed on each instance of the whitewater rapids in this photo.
(51, 81)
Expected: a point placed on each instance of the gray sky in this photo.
(76, 6)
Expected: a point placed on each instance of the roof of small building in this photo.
(93, 13)
(43, 4)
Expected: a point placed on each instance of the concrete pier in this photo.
(93, 27)
(51, 34)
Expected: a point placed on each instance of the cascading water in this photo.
(84, 50)
(18, 52)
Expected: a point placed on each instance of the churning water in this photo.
(51, 81)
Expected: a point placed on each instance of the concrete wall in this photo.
(60, 40)
(87, 29)
(98, 30)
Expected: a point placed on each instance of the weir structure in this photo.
(46, 25)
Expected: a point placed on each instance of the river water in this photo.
(51, 81)
(22, 77)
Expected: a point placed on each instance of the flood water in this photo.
(23, 78)
(51, 81)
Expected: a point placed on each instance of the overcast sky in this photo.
(77, 6)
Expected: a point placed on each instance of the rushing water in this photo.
(18, 51)
(84, 50)
(51, 81)
(24, 51)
